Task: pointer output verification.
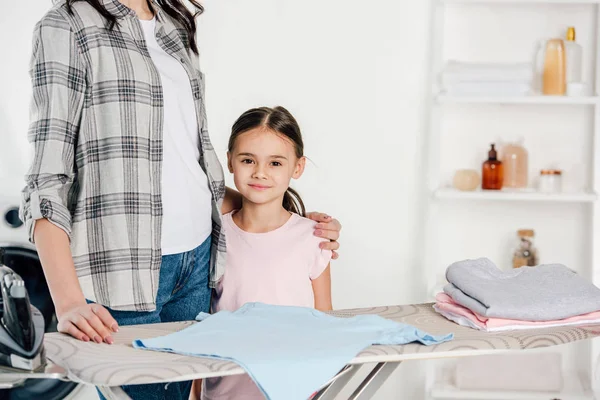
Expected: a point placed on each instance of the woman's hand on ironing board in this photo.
(327, 228)
(88, 322)
(75, 317)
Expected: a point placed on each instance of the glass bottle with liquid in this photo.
(525, 255)
(554, 79)
(492, 171)
(514, 159)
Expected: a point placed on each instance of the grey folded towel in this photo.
(542, 293)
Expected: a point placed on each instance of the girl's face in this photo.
(263, 163)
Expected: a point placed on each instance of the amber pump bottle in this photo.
(492, 171)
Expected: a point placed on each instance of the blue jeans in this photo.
(183, 292)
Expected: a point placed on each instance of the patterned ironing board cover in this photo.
(120, 363)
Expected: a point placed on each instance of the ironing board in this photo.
(110, 366)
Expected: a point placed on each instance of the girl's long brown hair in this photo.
(281, 121)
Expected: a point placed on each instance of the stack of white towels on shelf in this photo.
(481, 296)
(487, 79)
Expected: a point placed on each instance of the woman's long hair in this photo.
(174, 8)
(281, 121)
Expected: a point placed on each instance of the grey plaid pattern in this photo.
(96, 130)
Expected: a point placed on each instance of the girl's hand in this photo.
(88, 322)
(327, 228)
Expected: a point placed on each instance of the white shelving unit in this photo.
(534, 100)
(514, 195)
(439, 192)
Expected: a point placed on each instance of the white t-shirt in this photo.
(186, 197)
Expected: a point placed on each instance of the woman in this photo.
(125, 192)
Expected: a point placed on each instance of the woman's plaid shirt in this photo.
(96, 132)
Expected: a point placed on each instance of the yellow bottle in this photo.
(554, 79)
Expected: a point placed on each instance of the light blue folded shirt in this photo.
(289, 352)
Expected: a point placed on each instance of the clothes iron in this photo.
(21, 325)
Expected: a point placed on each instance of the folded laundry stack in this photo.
(481, 296)
(483, 79)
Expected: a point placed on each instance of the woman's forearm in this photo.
(53, 248)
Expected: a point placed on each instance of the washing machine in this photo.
(21, 256)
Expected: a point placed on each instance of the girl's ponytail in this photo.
(293, 202)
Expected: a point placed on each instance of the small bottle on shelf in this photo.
(514, 159)
(525, 254)
(574, 55)
(554, 79)
(492, 171)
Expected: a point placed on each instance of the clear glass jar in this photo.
(515, 160)
(525, 255)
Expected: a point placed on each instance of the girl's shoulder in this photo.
(227, 219)
(303, 229)
(303, 222)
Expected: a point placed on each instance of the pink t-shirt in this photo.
(275, 268)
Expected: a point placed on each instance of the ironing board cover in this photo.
(120, 363)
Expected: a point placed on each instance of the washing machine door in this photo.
(25, 262)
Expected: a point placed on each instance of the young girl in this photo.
(272, 253)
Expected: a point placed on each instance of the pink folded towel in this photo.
(448, 308)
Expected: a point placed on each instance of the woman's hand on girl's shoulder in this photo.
(327, 228)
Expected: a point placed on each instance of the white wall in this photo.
(355, 74)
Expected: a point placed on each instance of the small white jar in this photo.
(550, 181)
